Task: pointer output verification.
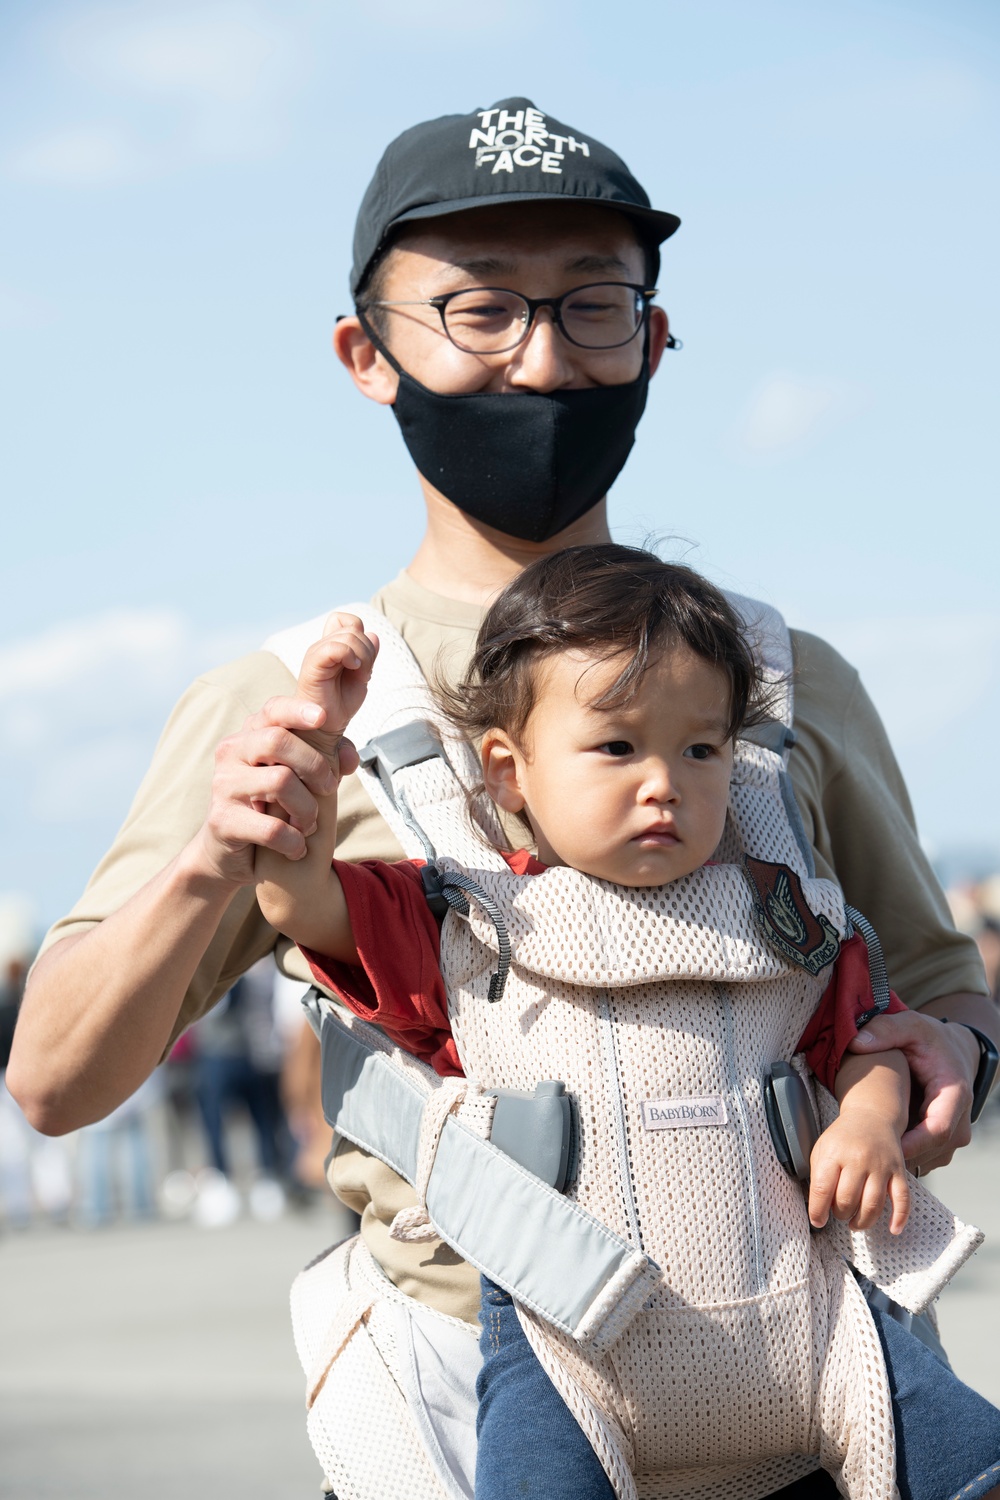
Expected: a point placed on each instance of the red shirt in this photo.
(398, 985)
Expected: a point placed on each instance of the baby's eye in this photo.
(617, 747)
(701, 752)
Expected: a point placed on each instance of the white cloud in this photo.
(20, 309)
(81, 156)
(455, 16)
(82, 704)
(94, 781)
(213, 81)
(224, 70)
(73, 654)
(234, 52)
(788, 411)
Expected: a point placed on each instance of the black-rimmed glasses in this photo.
(492, 320)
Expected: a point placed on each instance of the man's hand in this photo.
(854, 1165)
(265, 789)
(270, 774)
(943, 1062)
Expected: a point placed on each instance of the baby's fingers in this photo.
(349, 651)
(899, 1198)
(823, 1178)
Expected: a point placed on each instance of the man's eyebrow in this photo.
(591, 262)
(483, 265)
(502, 265)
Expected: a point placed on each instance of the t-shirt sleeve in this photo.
(397, 981)
(858, 817)
(169, 808)
(845, 1000)
(167, 811)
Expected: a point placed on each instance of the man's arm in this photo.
(100, 1006)
(859, 820)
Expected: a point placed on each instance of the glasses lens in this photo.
(603, 315)
(484, 321)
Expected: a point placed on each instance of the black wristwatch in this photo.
(989, 1059)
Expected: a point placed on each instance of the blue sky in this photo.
(185, 467)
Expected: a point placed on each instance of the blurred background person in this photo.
(238, 1053)
(115, 1169)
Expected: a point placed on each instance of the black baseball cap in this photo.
(510, 153)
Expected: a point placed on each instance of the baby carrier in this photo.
(607, 1159)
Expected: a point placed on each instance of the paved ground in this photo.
(153, 1362)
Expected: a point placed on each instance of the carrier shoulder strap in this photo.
(772, 645)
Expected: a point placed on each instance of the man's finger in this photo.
(883, 1033)
(348, 757)
(241, 825)
(274, 745)
(287, 713)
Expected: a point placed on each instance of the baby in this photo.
(607, 692)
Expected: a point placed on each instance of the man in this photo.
(504, 275)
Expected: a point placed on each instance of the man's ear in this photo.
(659, 331)
(371, 372)
(501, 762)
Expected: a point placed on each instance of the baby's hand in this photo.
(334, 674)
(854, 1165)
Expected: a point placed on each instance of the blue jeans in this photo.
(947, 1436)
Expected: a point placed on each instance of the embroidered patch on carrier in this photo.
(788, 922)
(674, 1114)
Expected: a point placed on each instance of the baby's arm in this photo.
(303, 898)
(858, 1160)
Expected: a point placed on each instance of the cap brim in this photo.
(661, 225)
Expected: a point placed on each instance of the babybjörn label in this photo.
(675, 1114)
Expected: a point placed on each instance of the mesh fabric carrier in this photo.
(754, 1356)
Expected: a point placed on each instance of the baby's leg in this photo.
(947, 1436)
(529, 1442)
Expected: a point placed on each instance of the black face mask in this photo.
(524, 463)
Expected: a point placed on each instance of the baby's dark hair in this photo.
(611, 601)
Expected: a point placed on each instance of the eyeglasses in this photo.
(491, 320)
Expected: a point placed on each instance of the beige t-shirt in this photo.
(851, 795)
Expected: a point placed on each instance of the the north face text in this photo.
(520, 139)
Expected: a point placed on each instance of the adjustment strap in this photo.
(547, 1251)
(877, 971)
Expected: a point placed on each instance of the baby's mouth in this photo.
(663, 834)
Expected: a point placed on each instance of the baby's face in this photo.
(635, 795)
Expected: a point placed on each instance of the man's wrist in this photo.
(986, 1062)
(198, 875)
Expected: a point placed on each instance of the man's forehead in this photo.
(577, 238)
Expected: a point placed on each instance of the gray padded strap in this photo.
(556, 1258)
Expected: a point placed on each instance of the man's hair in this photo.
(612, 602)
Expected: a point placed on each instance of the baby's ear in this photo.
(501, 771)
